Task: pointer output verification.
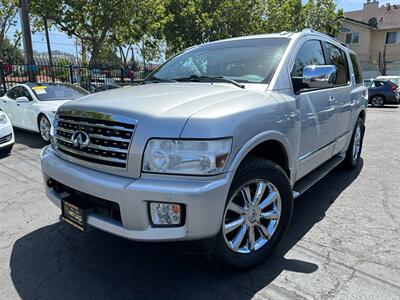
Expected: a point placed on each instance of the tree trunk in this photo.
(94, 55)
(382, 62)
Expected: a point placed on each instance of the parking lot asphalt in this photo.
(344, 241)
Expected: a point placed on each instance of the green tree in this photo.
(11, 52)
(8, 12)
(98, 22)
(321, 15)
(191, 22)
(282, 16)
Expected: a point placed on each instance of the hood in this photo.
(168, 100)
(51, 105)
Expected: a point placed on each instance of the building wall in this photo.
(373, 40)
(362, 48)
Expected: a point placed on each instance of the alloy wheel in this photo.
(357, 142)
(252, 216)
(377, 101)
(44, 127)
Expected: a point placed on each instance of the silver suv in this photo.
(214, 145)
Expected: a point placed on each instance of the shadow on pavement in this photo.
(57, 261)
(28, 138)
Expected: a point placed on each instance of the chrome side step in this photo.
(312, 178)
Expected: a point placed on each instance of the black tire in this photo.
(377, 101)
(251, 169)
(6, 150)
(351, 161)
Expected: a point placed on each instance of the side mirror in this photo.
(319, 77)
(22, 99)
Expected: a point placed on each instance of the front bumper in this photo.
(6, 131)
(204, 199)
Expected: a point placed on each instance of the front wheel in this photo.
(44, 128)
(257, 214)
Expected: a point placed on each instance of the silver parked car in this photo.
(215, 145)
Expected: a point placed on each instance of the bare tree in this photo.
(382, 62)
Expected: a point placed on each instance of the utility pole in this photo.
(26, 34)
(46, 31)
(26, 31)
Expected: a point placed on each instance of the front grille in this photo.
(5, 139)
(109, 140)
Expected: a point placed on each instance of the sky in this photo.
(62, 42)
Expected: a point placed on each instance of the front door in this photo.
(317, 109)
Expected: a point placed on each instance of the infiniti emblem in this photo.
(80, 139)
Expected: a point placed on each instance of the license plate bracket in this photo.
(74, 214)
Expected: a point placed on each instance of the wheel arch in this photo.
(40, 114)
(273, 146)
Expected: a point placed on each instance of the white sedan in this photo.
(32, 106)
(6, 134)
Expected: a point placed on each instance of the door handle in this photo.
(18, 105)
(4, 101)
(332, 100)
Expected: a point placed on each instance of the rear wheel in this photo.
(377, 101)
(257, 214)
(353, 153)
(44, 128)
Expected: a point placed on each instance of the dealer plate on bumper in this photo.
(74, 215)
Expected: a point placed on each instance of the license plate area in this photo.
(75, 213)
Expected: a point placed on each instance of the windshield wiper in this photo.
(219, 78)
(154, 79)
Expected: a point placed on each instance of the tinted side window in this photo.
(337, 58)
(11, 93)
(357, 69)
(310, 53)
(25, 92)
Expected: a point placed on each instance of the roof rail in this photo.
(309, 30)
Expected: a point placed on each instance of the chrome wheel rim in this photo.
(45, 126)
(357, 142)
(377, 101)
(252, 216)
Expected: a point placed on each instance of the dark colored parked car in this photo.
(382, 92)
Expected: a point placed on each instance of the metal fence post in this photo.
(71, 72)
(2, 76)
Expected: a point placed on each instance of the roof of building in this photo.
(387, 16)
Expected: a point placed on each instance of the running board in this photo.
(312, 178)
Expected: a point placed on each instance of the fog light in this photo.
(166, 213)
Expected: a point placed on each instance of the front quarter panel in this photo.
(249, 120)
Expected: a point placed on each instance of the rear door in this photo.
(341, 94)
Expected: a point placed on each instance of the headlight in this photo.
(186, 157)
(3, 119)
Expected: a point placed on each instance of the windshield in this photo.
(246, 61)
(57, 91)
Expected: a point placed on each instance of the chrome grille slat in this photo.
(97, 157)
(96, 125)
(109, 140)
(97, 146)
(118, 139)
